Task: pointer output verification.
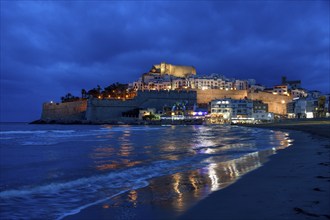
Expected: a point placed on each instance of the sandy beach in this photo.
(294, 184)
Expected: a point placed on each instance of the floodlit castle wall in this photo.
(64, 111)
(105, 110)
(276, 103)
(206, 96)
(175, 70)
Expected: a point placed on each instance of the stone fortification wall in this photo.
(181, 71)
(276, 103)
(107, 110)
(67, 111)
(206, 96)
(174, 70)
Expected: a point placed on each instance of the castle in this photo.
(167, 84)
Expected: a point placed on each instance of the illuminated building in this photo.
(229, 110)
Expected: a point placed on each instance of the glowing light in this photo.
(105, 206)
(309, 115)
(213, 176)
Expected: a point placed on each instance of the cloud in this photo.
(50, 48)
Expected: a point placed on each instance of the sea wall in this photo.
(68, 111)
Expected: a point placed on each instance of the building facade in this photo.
(228, 110)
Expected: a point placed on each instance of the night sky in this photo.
(51, 48)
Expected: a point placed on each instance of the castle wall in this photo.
(175, 70)
(64, 111)
(206, 96)
(181, 71)
(107, 110)
(276, 103)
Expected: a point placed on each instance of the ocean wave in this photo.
(190, 148)
(73, 196)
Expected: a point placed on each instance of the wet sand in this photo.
(319, 127)
(294, 184)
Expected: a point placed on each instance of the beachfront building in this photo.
(262, 117)
(290, 107)
(314, 105)
(260, 112)
(259, 106)
(306, 107)
(231, 110)
(327, 105)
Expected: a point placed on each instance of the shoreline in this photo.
(318, 127)
(293, 184)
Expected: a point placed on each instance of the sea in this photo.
(62, 171)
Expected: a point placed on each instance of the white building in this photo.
(305, 107)
(263, 116)
(280, 90)
(240, 84)
(227, 109)
(154, 81)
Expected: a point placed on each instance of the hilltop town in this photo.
(172, 94)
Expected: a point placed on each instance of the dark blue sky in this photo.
(51, 48)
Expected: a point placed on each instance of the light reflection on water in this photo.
(227, 159)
